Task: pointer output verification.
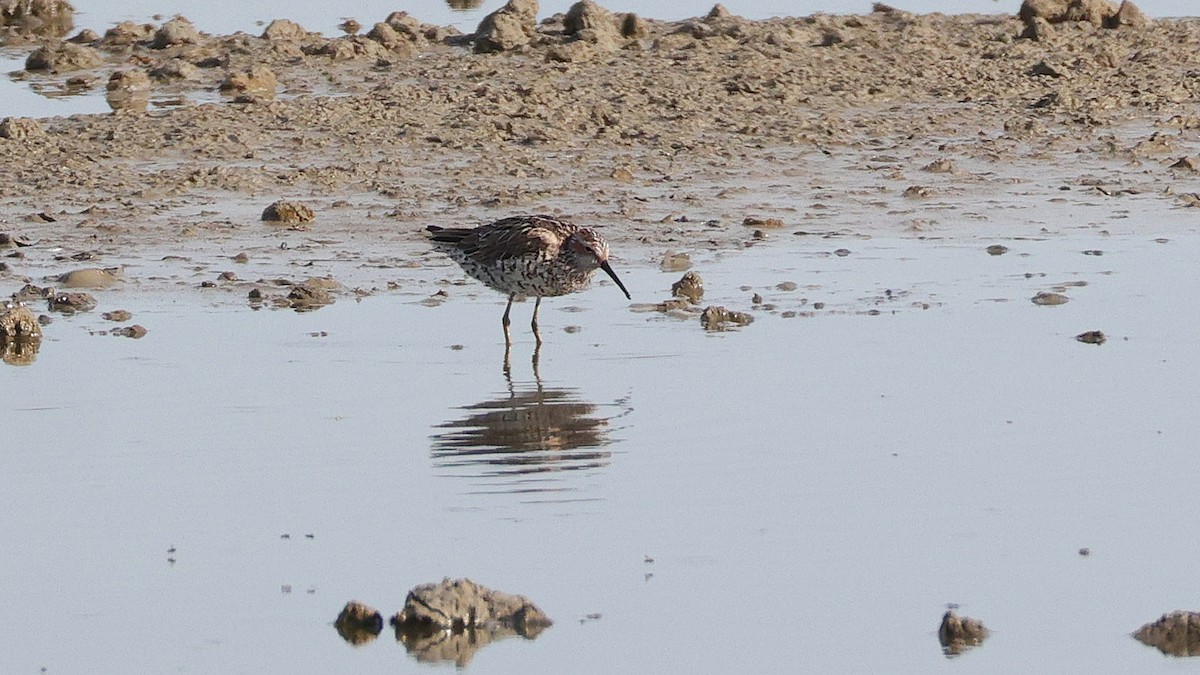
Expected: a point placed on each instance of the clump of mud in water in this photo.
(20, 334)
(358, 623)
(450, 621)
(719, 318)
(690, 286)
(959, 633)
(284, 211)
(1174, 634)
(36, 18)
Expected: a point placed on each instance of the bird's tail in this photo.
(447, 235)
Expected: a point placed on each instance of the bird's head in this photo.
(588, 251)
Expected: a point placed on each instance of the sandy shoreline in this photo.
(664, 134)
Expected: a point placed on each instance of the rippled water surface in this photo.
(806, 494)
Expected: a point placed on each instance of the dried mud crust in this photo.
(387, 132)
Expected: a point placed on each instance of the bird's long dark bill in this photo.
(609, 270)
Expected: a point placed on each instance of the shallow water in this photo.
(813, 491)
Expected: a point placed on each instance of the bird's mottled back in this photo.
(539, 256)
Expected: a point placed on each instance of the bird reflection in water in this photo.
(524, 441)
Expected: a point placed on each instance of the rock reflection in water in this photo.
(528, 432)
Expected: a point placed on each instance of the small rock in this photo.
(960, 633)
(308, 296)
(358, 623)
(622, 174)
(70, 303)
(135, 331)
(634, 26)
(841, 252)
(177, 31)
(256, 79)
(127, 33)
(118, 315)
(175, 69)
(1048, 298)
(289, 212)
(1185, 163)
(689, 286)
(17, 322)
(586, 15)
(128, 90)
(675, 262)
(1129, 15)
(87, 278)
(1174, 634)
(63, 57)
(461, 603)
(718, 318)
(755, 221)
(18, 128)
(997, 249)
(507, 28)
(286, 31)
(940, 166)
(1092, 337)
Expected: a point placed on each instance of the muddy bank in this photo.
(659, 132)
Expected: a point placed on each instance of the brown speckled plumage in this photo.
(539, 256)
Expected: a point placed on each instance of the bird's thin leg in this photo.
(505, 322)
(537, 375)
(536, 335)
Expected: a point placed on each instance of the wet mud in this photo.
(659, 133)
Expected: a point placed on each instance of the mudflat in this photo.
(712, 132)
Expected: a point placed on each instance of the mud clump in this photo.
(690, 286)
(960, 633)
(675, 262)
(88, 278)
(1099, 13)
(177, 31)
(20, 334)
(63, 57)
(1174, 634)
(309, 296)
(70, 303)
(17, 322)
(128, 90)
(135, 331)
(507, 28)
(49, 18)
(20, 128)
(718, 318)
(258, 81)
(289, 212)
(770, 223)
(473, 615)
(1049, 299)
(358, 623)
